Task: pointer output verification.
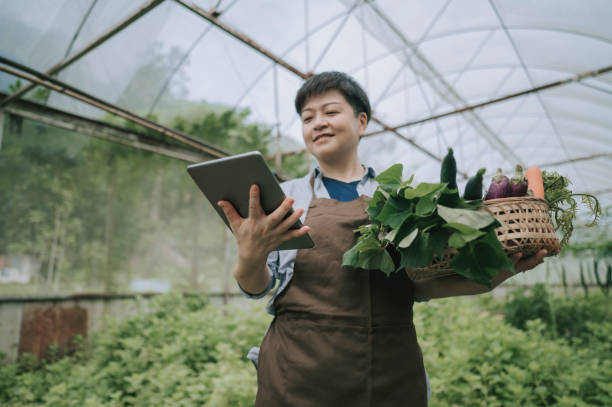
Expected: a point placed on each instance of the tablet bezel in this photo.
(230, 178)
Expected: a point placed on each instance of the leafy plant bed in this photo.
(475, 358)
(187, 353)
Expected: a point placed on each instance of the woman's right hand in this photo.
(259, 234)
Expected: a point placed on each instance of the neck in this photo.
(345, 171)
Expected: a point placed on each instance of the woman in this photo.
(340, 336)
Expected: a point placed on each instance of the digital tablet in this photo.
(230, 179)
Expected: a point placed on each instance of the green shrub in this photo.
(184, 352)
(474, 358)
(522, 308)
(570, 318)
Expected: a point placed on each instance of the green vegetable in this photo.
(448, 172)
(473, 188)
(412, 224)
(563, 206)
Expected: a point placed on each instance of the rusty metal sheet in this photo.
(46, 325)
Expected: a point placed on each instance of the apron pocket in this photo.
(327, 365)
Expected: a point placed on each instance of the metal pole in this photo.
(32, 75)
(144, 9)
(306, 35)
(249, 42)
(112, 134)
(424, 68)
(577, 78)
(278, 135)
(210, 17)
(573, 160)
(80, 27)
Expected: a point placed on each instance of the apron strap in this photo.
(312, 177)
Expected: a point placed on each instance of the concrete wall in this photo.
(30, 324)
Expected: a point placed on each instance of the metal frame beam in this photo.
(211, 18)
(335, 35)
(573, 79)
(256, 80)
(443, 88)
(573, 160)
(254, 45)
(144, 9)
(39, 78)
(80, 27)
(528, 75)
(100, 129)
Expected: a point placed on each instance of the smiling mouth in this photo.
(321, 136)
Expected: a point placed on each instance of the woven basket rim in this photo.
(493, 206)
(514, 198)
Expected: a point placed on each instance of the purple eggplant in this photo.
(500, 186)
(518, 183)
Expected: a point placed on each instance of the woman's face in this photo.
(329, 126)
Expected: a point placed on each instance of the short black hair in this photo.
(333, 80)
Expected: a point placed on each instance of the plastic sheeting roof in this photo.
(415, 60)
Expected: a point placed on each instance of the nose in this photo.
(320, 122)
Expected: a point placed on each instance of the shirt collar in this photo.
(370, 173)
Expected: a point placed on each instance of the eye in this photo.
(332, 113)
(306, 119)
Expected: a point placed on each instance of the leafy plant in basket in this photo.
(412, 226)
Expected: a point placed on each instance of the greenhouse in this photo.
(121, 285)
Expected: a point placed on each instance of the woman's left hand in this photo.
(528, 263)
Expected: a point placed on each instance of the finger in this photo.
(537, 258)
(291, 220)
(516, 257)
(291, 234)
(541, 254)
(279, 213)
(233, 217)
(531, 262)
(255, 210)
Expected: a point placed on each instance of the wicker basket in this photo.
(526, 227)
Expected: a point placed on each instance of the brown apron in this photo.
(341, 336)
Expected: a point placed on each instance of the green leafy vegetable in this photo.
(563, 205)
(407, 241)
(414, 224)
(476, 220)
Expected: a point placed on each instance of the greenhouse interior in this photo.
(118, 282)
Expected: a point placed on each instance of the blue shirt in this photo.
(341, 191)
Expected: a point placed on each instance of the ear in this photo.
(363, 123)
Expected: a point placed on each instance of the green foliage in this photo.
(570, 318)
(93, 215)
(228, 130)
(474, 358)
(184, 352)
(563, 205)
(181, 353)
(295, 166)
(14, 87)
(414, 224)
(521, 308)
